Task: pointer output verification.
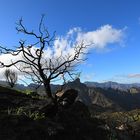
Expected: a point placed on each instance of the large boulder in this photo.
(68, 97)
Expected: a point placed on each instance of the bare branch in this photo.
(33, 63)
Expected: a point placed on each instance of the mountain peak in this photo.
(77, 80)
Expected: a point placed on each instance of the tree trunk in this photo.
(48, 91)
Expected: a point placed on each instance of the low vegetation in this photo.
(25, 115)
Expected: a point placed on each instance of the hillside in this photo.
(26, 118)
(108, 99)
(10, 97)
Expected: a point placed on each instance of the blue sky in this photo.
(118, 61)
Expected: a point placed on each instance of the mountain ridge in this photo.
(109, 97)
(109, 84)
(114, 85)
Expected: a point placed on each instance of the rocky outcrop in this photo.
(67, 98)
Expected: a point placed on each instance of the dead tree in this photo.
(11, 77)
(34, 63)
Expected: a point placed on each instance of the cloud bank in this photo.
(102, 37)
(134, 75)
(64, 45)
(96, 39)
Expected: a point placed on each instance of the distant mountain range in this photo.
(105, 85)
(113, 85)
(108, 96)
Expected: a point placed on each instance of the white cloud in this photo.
(102, 36)
(74, 30)
(6, 58)
(96, 39)
(126, 78)
(134, 75)
(64, 45)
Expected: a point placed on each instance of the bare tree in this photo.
(35, 64)
(11, 77)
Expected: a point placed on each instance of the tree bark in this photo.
(47, 87)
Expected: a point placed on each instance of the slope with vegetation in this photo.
(77, 113)
(26, 118)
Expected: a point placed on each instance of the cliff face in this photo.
(92, 96)
(106, 98)
(99, 99)
(82, 91)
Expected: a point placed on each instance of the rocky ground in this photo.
(25, 118)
